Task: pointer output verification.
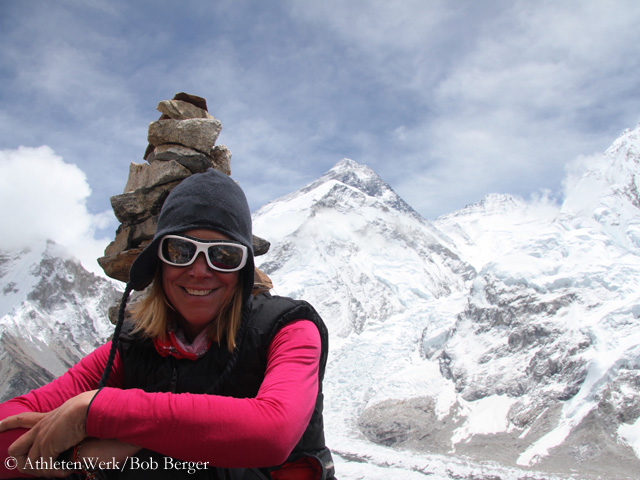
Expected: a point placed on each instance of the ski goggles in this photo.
(222, 255)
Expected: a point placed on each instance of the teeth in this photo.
(198, 292)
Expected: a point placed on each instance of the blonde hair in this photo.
(152, 314)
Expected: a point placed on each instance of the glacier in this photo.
(504, 335)
(500, 341)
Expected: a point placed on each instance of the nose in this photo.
(200, 267)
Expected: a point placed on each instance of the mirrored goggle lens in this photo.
(222, 256)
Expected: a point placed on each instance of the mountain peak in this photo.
(489, 205)
(357, 176)
(365, 180)
(608, 191)
(348, 164)
(348, 168)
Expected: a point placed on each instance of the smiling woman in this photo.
(198, 292)
(206, 375)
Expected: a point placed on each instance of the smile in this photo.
(199, 293)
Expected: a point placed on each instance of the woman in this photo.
(207, 382)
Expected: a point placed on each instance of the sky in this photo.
(446, 100)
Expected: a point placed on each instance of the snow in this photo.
(53, 312)
(485, 416)
(569, 274)
(17, 281)
(510, 319)
(630, 434)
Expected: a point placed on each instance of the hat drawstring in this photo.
(116, 336)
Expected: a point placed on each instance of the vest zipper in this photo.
(174, 377)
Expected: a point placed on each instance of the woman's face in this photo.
(197, 291)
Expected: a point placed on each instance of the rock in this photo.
(142, 232)
(260, 246)
(117, 266)
(189, 158)
(120, 244)
(393, 422)
(144, 175)
(197, 133)
(113, 311)
(180, 110)
(132, 236)
(221, 156)
(181, 143)
(192, 99)
(135, 207)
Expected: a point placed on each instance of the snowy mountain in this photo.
(52, 313)
(548, 341)
(506, 332)
(348, 232)
(501, 341)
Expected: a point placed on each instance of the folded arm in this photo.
(224, 431)
(53, 415)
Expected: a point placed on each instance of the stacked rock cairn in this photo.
(181, 143)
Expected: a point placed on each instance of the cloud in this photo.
(487, 97)
(578, 167)
(44, 198)
(447, 101)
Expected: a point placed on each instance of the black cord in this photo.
(116, 336)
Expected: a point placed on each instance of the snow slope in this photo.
(505, 332)
(52, 312)
(501, 341)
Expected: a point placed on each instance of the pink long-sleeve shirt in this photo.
(224, 431)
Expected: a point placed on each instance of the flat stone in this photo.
(144, 175)
(192, 99)
(135, 207)
(132, 236)
(194, 161)
(120, 243)
(260, 246)
(221, 157)
(118, 266)
(197, 133)
(180, 110)
(142, 232)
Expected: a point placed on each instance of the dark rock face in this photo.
(60, 315)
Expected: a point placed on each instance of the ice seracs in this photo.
(509, 322)
(499, 341)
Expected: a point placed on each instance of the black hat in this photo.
(210, 200)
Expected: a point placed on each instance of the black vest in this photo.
(239, 375)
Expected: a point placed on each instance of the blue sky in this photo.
(446, 100)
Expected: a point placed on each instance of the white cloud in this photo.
(447, 101)
(495, 97)
(42, 197)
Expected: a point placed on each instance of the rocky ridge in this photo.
(52, 313)
(509, 337)
(499, 342)
(546, 342)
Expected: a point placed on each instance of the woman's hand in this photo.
(49, 435)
